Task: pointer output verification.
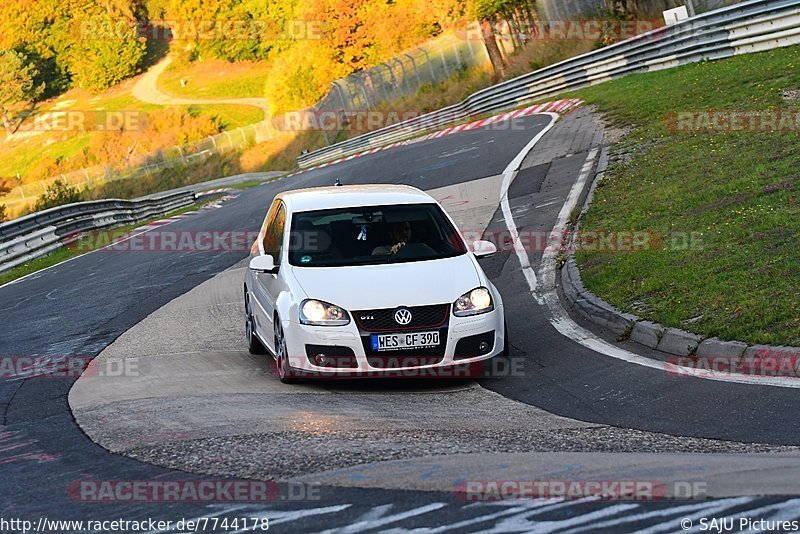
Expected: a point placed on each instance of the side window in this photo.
(273, 237)
(262, 233)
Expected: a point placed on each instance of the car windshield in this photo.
(372, 235)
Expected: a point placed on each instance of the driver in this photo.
(400, 234)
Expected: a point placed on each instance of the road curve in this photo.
(68, 310)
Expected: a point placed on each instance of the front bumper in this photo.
(360, 361)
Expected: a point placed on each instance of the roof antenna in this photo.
(337, 183)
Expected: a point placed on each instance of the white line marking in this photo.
(547, 270)
(508, 176)
(216, 514)
(276, 517)
(687, 510)
(759, 513)
(375, 523)
(561, 320)
(675, 524)
(475, 520)
(523, 523)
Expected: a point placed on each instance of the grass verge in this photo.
(736, 192)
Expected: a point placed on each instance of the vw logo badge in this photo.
(402, 316)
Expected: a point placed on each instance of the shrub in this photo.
(57, 194)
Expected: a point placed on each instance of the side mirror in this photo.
(483, 249)
(263, 264)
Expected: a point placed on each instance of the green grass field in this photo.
(231, 116)
(738, 191)
(216, 79)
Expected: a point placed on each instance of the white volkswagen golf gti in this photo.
(351, 281)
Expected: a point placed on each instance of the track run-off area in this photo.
(191, 404)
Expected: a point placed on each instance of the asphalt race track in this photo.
(564, 413)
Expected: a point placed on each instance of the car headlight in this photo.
(474, 302)
(318, 313)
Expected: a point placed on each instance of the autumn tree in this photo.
(107, 52)
(17, 87)
(489, 13)
(4, 189)
(233, 30)
(90, 43)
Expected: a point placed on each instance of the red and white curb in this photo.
(217, 203)
(210, 192)
(161, 222)
(167, 220)
(556, 106)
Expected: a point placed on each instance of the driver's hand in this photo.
(396, 248)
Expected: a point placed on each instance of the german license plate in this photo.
(415, 340)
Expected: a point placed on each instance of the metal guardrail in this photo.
(39, 234)
(743, 28)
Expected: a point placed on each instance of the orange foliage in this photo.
(163, 129)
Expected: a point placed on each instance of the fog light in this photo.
(483, 347)
(321, 360)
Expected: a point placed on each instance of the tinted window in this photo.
(273, 237)
(372, 235)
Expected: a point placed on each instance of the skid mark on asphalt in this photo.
(15, 447)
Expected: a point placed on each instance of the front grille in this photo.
(382, 320)
(402, 358)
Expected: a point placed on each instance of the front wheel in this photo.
(285, 373)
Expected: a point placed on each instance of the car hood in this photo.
(387, 286)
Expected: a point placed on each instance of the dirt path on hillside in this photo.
(146, 89)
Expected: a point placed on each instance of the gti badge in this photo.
(402, 316)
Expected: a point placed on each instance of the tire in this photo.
(285, 373)
(254, 345)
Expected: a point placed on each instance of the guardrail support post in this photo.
(428, 61)
(341, 95)
(360, 83)
(402, 68)
(458, 54)
(416, 72)
(394, 80)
